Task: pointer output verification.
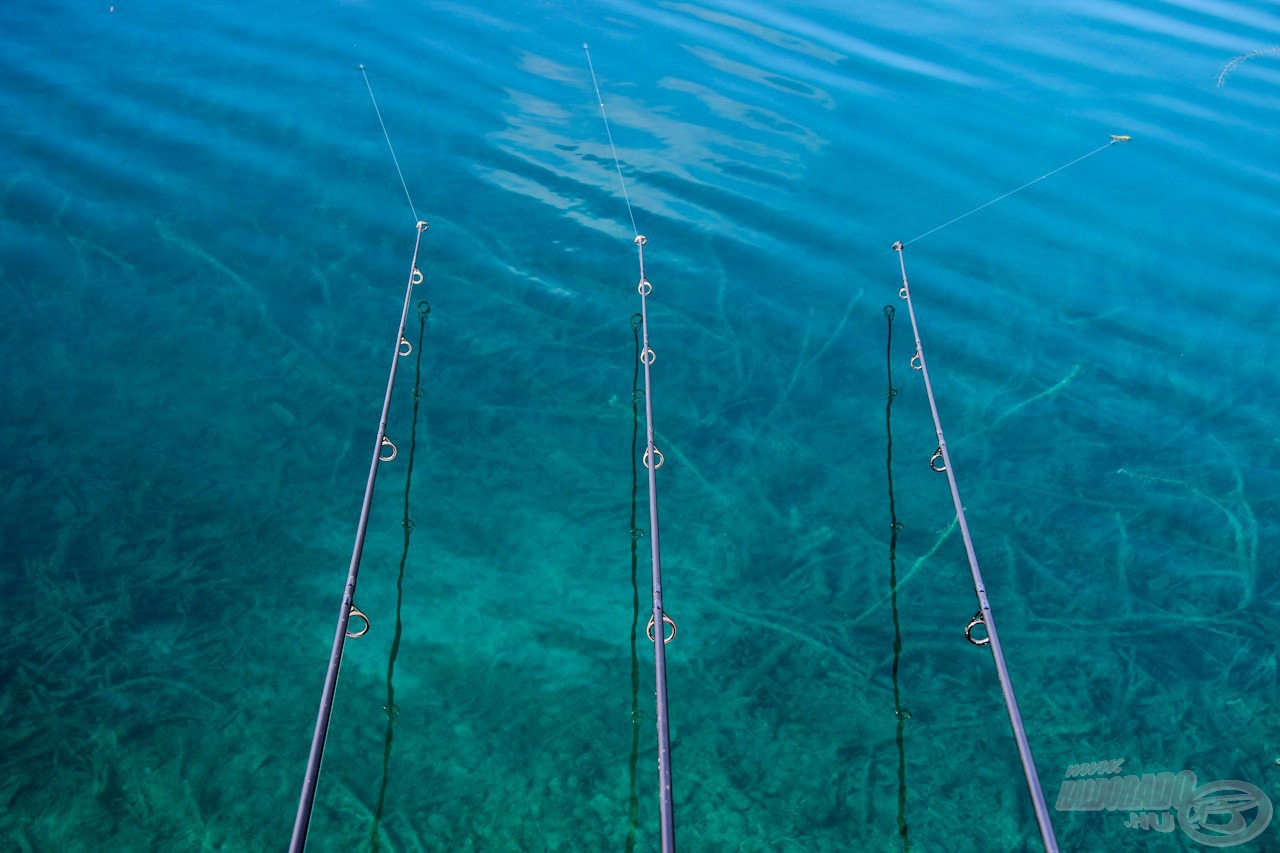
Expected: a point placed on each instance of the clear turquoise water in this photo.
(202, 255)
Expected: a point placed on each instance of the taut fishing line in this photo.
(1114, 140)
(390, 147)
(384, 451)
(941, 462)
(659, 621)
(899, 710)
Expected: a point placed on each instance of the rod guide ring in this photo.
(665, 638)
(973, 623)
(356, 613)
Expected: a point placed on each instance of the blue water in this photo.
(203, 252)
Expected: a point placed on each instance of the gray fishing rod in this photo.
(659, 621)
(383, 451)
(984, 616)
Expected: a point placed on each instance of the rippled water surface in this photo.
(203, 254)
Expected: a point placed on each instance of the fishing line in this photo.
(1231, 66)
(609, 133)
(1114, 140)
(391, 709)
(387, 136)
(895, 526)
(384, 451)
(659, 621)
(984, 616)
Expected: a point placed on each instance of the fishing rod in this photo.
(383, 451)
(941, 462)
(659, 620)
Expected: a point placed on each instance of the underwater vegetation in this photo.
(202, 245)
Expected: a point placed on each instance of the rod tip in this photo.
(897, 246)
(586, 46)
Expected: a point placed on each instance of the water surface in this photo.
(202, 257)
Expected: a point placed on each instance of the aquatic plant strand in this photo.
(984, 616)
(633, 795)
(391, 709)
(659, 621)
(1114, 140)
(895, 527)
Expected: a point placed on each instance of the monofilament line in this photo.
(616, 163)
(390, 147)
(1114, 140)
(1231, 66)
